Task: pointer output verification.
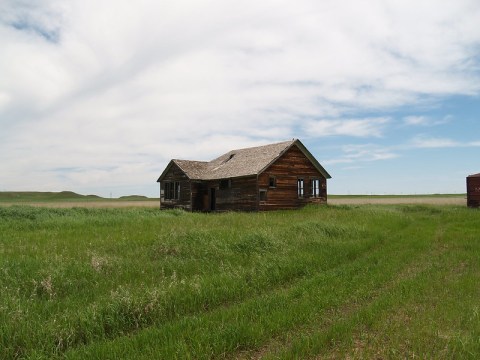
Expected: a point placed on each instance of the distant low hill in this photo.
(133, 197)
(44, 196)
(62, 196)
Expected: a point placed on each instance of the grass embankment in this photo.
(365, 282)
(38, 196)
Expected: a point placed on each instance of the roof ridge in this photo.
(190, 160)
(259, 146)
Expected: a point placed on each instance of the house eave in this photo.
(305, 152)
(314, 161)
(167, 168)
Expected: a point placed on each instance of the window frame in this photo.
(171, 190)
(300, 188)
(264, 198)
(315, 188)
(272, 181)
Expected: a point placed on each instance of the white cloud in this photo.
(416, 120)
(425, 120)
(93, 85)
(370, 127)
(433, 142)
(363, 153)
(424, 141)
(4, 100)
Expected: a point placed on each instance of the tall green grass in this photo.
(363, 281)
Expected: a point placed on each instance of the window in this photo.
(225, 184)
(263, 195)
(315, 187)
(172, 190)
(177, 190)
(272, 182)
(168, 191)
(300, 188)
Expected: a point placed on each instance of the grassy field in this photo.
(69, 199)
(389, 281)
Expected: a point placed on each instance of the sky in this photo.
(97, 96)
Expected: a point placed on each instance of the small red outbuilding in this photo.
(473, 190)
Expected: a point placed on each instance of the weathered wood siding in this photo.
(239, 195)
(185, 201)
(473, 191)
(287, 170)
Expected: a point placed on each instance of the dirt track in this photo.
(433, 200)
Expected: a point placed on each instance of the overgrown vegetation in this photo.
(333, 282)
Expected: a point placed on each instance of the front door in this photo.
(200, 199)
(213, 199)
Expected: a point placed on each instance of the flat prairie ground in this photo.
(324, 282)
(396, 200)
(334, 200)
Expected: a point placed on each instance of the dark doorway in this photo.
(213, 199)
(200, 197)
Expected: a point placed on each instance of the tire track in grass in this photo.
(284, 282)
(182, 308)
(412, 267)
(174, 309)
(355, 319)
(439, 318)
(247, 325)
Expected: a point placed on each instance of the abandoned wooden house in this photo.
(277, 176)
(473, 190)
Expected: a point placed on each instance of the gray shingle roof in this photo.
(244, 162)
(241, 162)
(193, 169)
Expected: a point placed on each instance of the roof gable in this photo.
(192, 169)
(241, 162)
(245, 162)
